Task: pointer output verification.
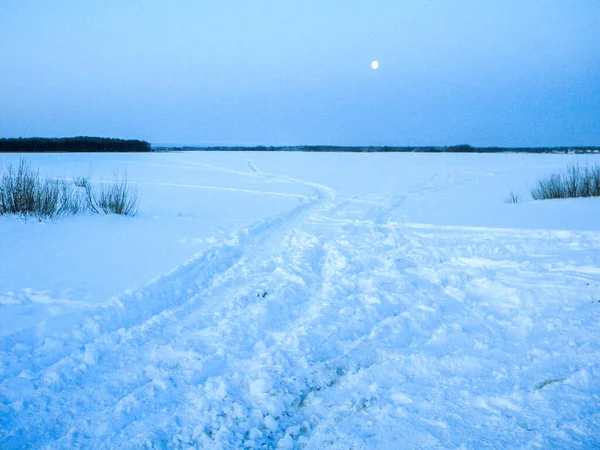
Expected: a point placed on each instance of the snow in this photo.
(304, 300)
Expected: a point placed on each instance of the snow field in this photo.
(327, 325)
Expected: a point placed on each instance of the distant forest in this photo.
(97, 144)
(73, 144)
(384, 149)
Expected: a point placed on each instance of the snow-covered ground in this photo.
(304, 300)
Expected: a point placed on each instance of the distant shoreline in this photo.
(83, 144)
(384, 149)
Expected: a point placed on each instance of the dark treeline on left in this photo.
(73, 144)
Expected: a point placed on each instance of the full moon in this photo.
(375, 65)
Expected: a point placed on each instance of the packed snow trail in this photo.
(57, 346)
(52, 339)
(311, 331)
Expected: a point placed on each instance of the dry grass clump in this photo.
(576, 181)
(23, 191)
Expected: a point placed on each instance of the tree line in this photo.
(464, 148)
(73, 144)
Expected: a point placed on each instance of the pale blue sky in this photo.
(275, 72)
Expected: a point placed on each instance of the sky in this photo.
(274, 72)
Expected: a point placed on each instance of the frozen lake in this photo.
(304, 300)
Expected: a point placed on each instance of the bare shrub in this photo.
(513, 197)
(18, 189)
(71, 201)
(24, 192)
(88, 196)
(576, 181)
(118, 197)
(47, 198)
(81, 182)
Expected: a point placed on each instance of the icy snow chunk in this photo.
(77, 334)
(436, 423)
(238, 411)
(260, 387)
(20, 349)
(90, 356)
(271, 423)
(455, 293)
(286, 442)
(505, 403)
(480, 402)
(161, 384)
(51, 377)
(126, 404)
(293, 431)
(101, 428)
(154, 372)
(216, 389)
(290, 277)
(198, 401)
(92, 327)
(51, 345)
(255, 434)
(426, 308)
(27, 374)
(14, 389)
(16, 406)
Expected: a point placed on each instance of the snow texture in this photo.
(305, 301)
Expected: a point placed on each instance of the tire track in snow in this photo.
(253, 167)
(359, 355)
(187, 334)
(260, 242)
(218, 257)
(141, 404)
(318, 380)
(226, 189)
(397, 299)
(133, 307)
(334, 414)
(385, 205)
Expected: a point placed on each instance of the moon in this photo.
(375, 65)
